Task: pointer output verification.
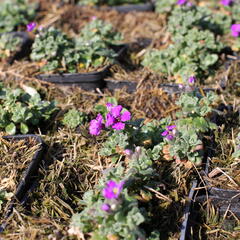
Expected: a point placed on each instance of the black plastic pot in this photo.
(29, 176)
(143, 7)
(25, 47)
(87, 81)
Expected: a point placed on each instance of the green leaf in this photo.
(10, 129)
(23, 128)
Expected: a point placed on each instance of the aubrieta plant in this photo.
(91, 49)
(9, 45)
(19, 110)
(74, 118)
(192, 54)
(15, 13)
(111, 211)
(233, 6)
(185, 136)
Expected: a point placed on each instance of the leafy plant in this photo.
(191, 124)
(90, 49)
(74, 118)
(115, 208)
(15, 13)
(162, 6)
(8, 45)
(191, 54)
(20, 110)
(184, 19)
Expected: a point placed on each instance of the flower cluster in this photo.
(169, 132)
(115, 119)
(111, 192)
(235, 30)
(226, 2)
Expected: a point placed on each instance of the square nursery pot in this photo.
(141, 7)
(28, 180)
(87, 81)
(25, 47)
(220, 193)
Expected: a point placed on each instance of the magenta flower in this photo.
(235, 30)
(171, 127)
(226, 2)
(118, 126)
(181, 2)
(112, 189)
(191, 80)
(128, 152)
(31, 26)
(105, 207)
(169, 132)
(96, 125)
(115, 118)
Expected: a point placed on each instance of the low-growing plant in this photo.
(15, 13)
(186, 136)
(184, 19)
(114, 206)
(74, 118)
(191, 54)
(9, 44)
(20, 110)
(90, 49)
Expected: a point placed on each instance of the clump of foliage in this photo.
(184, 19)
(195, 48)
(191, 54)
(95, 41)
(192, 123)
(117, 209)
(20, 110)
(8, 45)
(15, 13)
(90, 49)
(74, 118)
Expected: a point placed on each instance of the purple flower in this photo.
(226, 2)
(171, 127)
(165, 133)
(105, 207)
(96, 125)
(126, 116)
(110, 120)
(112, 189)
(116, 111)
(181, 2)
(31, 26)
(169, 137)
(235, 30)
(128, 152)
(191, 80)
(109, 106)
(118, 126)
(170, 132)
(93, 18)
